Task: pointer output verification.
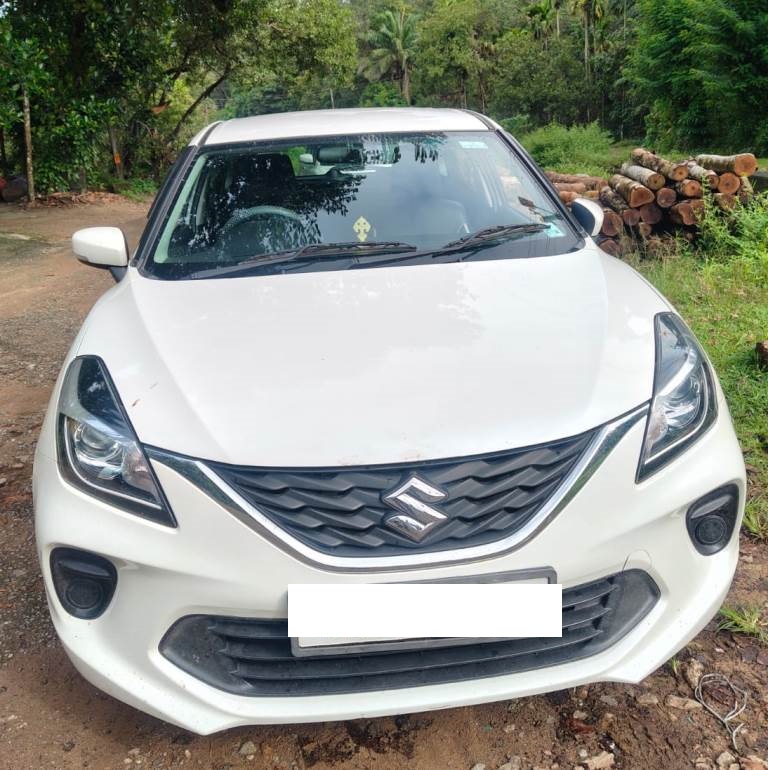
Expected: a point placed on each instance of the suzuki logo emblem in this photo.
(417, 517)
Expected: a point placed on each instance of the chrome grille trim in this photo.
(197, 472)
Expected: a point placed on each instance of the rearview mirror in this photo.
(101, 246)
(588, 214)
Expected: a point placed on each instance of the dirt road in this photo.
(51, 718)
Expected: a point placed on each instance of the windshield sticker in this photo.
(553, 231)
(477, 145)
(362, 227)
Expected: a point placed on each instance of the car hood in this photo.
(378, 365)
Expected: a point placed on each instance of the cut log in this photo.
(567, 197)
(651, 179)
(643, 230)
(593, 195)
(707, 177)
(698, 208)
(577, 187)
(613, 224)
(742, 164)
(610, 246)
(689, 188)
(650, 213)
(666, 197)
(634, 193)
(674, 171)
(682, 214)
(746, 186)
(591, 182)
(725, 201)
(654, 245)
(613, 200)
(729, 183)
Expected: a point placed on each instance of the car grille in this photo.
(340, 511)
(253, 657)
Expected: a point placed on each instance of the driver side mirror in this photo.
(101, 247)
(588, 214)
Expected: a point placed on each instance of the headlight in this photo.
(684, 403)
(98, 450)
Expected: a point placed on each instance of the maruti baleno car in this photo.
(372, 346)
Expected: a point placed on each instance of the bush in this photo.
(578, 149)
(381, 95)
(517, 125)
(741, 234)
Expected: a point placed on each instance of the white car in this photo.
(371, 346)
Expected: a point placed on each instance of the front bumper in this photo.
(213, 564)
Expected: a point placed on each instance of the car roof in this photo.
(361, 120)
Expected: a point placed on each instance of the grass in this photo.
(722, 292)
(135, 188)
(744, 620)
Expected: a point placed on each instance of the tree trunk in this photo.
(406, 83)
(118, 161)
(567, 197)
(666, 197)
(612, 223)
(612, 199)
(675, 171)
(651, 179)
(689, 188)
(687, 213)
(590, 182)
(725, 201)
(728, 183)
(577, 187)
(650, 213)
(707, 177)
(3, 153)
(28, 145)
(743, 164)
(634, 193)
(192, 107)
(610, 246)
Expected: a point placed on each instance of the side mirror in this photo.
(101, 246)
(588, 214)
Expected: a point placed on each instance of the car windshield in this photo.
(349, 201)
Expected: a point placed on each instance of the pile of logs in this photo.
(650, 199)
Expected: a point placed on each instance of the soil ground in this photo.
(51, 718)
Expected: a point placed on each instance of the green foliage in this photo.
(392, 42)
(381, 95)
(702, 65)
(744, 620)
(741, 235)
(756, 517)
(136, 188)
(540, 82)
(578, 149)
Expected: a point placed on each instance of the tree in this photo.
(702, 65)
(392, 44)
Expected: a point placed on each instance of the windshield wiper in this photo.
(492, 234)
(309, 252)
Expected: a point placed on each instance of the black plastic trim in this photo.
(252, 657)
(70, 564)
(722, 503)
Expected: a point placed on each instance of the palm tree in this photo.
(540, 18)
(590, 11)
(392, 45)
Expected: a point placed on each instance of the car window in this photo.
(424, 190)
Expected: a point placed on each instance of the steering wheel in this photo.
(246, 215)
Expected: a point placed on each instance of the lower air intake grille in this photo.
(253, 657)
